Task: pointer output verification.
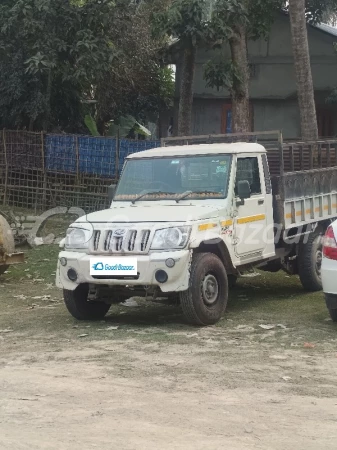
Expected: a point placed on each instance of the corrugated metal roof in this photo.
(327, 29)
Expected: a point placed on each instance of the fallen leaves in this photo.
(308, 345)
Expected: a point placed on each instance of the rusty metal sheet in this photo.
(14, 258)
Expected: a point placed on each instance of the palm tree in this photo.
(305, 88)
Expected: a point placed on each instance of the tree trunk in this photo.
(46, 122)
(305, 88)
(186, 92)
(240, 90)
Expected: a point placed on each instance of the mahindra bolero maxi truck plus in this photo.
(187, 220)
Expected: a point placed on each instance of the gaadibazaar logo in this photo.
(117, 267)
(111, 266)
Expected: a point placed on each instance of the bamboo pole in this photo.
(77, 169)
(6, 166)
(117, 154)
(44, 192)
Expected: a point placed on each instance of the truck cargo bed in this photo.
(303, 174)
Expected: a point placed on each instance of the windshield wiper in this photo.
(187, 193)
(184, 195)
(149, 192)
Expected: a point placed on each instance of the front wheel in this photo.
(81, 308)
(206, 299)
(310, 262)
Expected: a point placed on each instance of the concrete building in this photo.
(272, 86)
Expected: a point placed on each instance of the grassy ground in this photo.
(298, 317)
(264, 377)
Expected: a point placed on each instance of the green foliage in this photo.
(166, 86)
(55, 47)
(91, 125)
(255, 16)
(222, 74)
(228, 19)
(123, 127)
(183, 19)
(57, 56)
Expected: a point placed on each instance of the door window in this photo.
(248, 170)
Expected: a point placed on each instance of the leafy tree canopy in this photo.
(60, 57)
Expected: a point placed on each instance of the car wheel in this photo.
(310, 262)
(206, 299)
(81, 308)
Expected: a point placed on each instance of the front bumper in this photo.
(178, 276)
(329, 276)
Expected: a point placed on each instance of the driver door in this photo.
(251, 220)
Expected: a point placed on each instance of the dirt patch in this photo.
(264, 377)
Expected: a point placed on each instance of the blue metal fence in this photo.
(44, 170)
(90, 155)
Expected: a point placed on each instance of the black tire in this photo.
(174, 299)
(207, 274)
(3, 269)
(333, 314)
(310, 261)
(232, 280)
(80, 308)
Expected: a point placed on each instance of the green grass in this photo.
(267, 299)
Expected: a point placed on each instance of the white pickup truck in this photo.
(187, 220)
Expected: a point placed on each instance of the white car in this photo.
(329, 269)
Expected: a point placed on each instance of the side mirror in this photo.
(244, 191)
(111, 191)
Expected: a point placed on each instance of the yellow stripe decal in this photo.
(207, 226)
(309, 211)
(251, 219)
(227, 223)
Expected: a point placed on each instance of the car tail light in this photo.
(330, 244)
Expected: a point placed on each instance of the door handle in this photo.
(261, 202)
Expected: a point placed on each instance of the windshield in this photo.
(188, 177)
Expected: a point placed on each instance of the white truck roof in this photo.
(201, 149)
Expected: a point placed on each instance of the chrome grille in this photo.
(107, 241)
(133, 241)
(97, 235)
(145, 240)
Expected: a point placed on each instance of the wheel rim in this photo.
(319, 256)
(210, 289)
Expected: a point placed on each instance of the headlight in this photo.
(171, 238)
(78, 238)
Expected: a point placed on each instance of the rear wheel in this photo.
(81, 308)
(206, 299)
(310, 262)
